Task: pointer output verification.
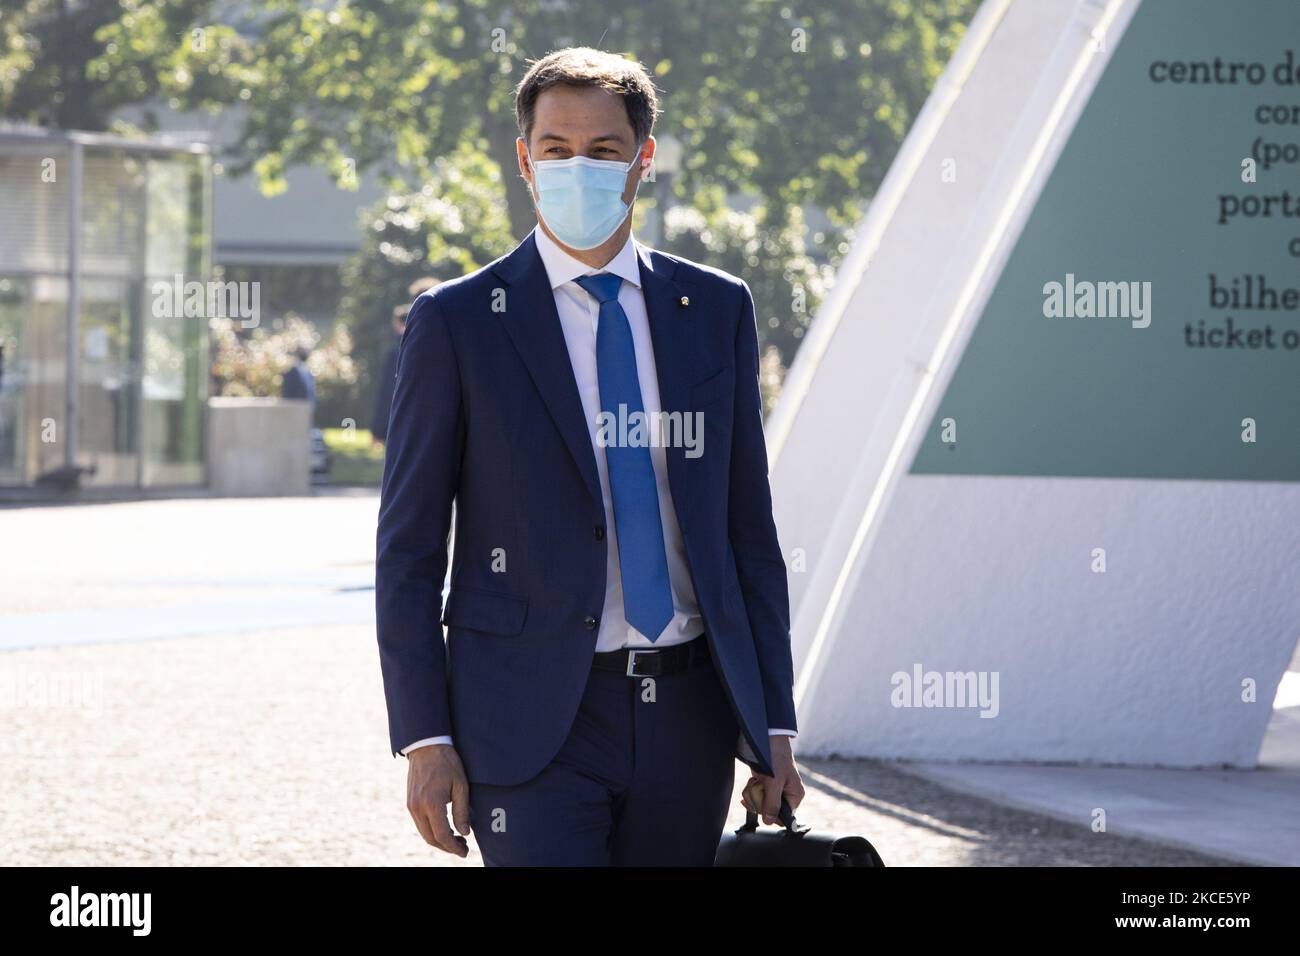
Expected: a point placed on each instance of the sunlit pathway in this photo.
(154, 723)
(271, 748)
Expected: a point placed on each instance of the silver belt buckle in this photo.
(631, 660)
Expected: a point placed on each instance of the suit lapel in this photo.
(533, 324)
(670, 332)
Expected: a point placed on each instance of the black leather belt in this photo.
(654, 661)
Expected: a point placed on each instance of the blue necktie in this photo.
(647, 596)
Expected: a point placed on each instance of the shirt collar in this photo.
(562, 267)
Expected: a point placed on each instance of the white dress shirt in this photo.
(579, 317)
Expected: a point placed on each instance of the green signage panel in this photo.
(1147, 322)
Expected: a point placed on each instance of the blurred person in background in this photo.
(298, 381)
(387, 379)
(388, 369)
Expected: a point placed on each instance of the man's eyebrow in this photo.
(616, 137)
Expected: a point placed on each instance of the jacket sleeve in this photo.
(759, 561)
(421, 467)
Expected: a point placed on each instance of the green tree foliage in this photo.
(783, 106)
(67, 65)
(451, 226)
(794, 105)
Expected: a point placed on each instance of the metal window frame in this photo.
(74, 144)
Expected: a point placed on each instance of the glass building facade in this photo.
(102, 382)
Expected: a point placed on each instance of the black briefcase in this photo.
(795, 845)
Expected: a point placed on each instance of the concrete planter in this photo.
(259, 446)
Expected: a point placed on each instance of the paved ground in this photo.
(270, 748)
(236, 745)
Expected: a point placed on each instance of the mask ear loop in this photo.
(636, 190)
(637, 159)
(532, 166)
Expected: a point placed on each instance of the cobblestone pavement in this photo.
(271, 749)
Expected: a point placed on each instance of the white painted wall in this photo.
(1142, 664)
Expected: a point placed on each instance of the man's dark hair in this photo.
(583, 66)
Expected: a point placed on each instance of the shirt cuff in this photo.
(426, 742)
(776, 732)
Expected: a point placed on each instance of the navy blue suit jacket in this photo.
(486, 412)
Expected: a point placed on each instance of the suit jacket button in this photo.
(589, 623)
(600, 532)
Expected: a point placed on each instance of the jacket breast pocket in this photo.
(495, 612)
(717, 386)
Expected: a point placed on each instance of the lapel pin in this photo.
(685, 300)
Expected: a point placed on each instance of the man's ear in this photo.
(521, 155)
(648, 154)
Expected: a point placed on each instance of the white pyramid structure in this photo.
(1021, 535)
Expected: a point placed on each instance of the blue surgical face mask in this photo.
(581, 199)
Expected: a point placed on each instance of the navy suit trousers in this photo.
(644, 778)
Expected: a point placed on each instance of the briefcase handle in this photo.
(785, 815)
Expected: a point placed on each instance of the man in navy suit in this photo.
(618, 612)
